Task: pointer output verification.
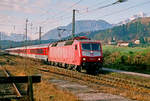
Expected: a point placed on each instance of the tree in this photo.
(142, 41)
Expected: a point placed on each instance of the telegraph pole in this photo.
(73, 23)
(0, 39)
(26, 33)
(40, 34)
(26, 29)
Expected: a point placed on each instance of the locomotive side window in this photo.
(54, 44)
(69, 42)
(75, 47)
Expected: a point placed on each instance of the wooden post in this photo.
(21, 79)
(30, 89)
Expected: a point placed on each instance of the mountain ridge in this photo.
(81, 26)
(136, 29)
(13, 36)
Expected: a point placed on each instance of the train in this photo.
(79, 53)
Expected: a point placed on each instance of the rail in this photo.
(14, 85)
(108, 81)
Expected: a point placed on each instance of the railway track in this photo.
(8, 91)
(128, 86)
(137, 90)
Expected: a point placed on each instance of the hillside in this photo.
(81, 26)
(4, 44)
(136, 29)
(145, 20)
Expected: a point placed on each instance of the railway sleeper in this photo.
(102, 80)
(129, 82)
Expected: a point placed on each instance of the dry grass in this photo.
(43, 91)
(118, 87)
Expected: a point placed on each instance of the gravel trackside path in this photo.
(85, 93)
(125, 72)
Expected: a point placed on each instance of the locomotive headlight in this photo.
(99, 59)
(84, 59)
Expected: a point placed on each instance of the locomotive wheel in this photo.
(47, 60)
(51, 63)
(79, 68)
(97, 70)
(59, 64)
(89, 69)
(56, 64)
(68, 66)
(92, 70)
(65, 66)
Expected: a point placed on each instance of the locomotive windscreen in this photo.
(91, 46)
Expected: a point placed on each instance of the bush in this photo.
(132, 61)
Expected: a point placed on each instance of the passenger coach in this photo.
(35, 51)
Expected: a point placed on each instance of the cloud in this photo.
(23, 6)
(14, 12)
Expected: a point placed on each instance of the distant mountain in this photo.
(13, 37)
(136, 29)
(4, 44)
(136, 16)
(81, 26)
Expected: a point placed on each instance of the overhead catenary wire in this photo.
(126, 9)
(101, 6)
(42, 23)
(134, 6)
(62, 16)
(46, 21)
(116, 12)
(75, 4)
(66, 9)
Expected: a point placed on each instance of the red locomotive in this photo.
(78, 53)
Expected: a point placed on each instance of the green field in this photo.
(126, 58)
(113, 48)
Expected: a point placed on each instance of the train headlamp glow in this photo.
(84, 59)
(99, 59)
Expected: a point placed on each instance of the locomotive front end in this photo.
(91, 56)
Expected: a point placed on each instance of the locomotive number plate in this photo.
(91, 58)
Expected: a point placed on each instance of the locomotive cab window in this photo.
(95, 47)
(86, 46)
(91, 46)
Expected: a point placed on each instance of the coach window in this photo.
(40, 51)
(76, 47)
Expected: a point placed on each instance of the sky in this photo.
(50, 14)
